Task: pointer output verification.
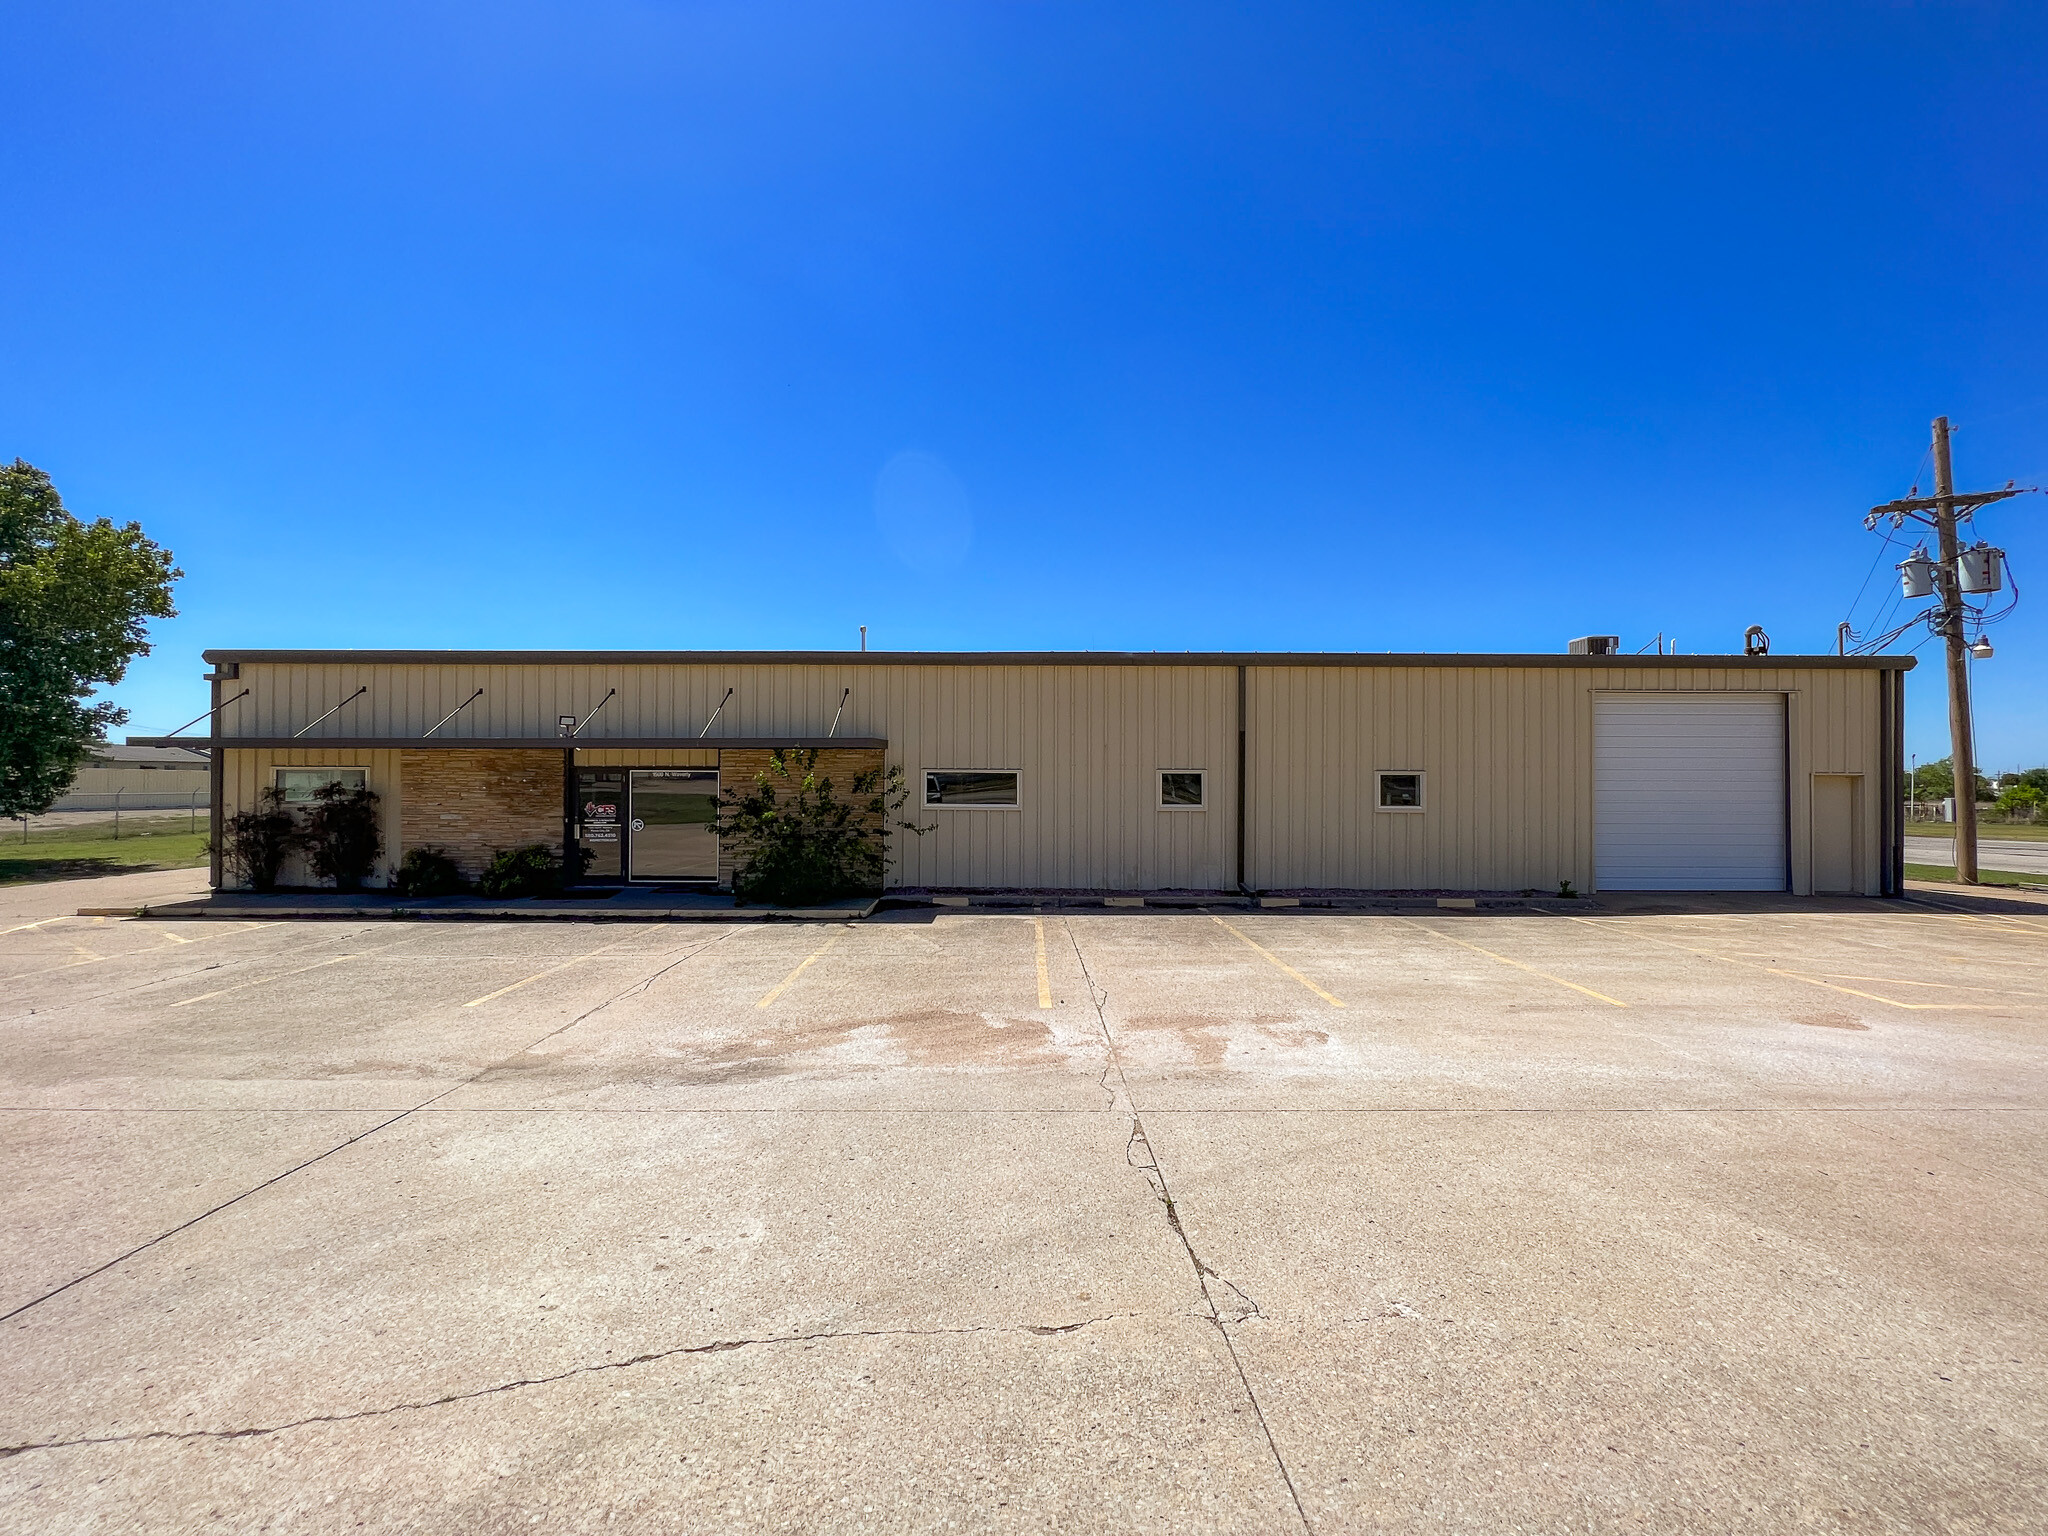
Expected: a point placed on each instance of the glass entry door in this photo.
(673, 813)
(601, 821)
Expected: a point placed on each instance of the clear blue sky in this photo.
(1438, 327)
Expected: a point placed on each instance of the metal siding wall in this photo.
(1507, 751)
(248, 773)
(1087, 742)
(1497, 748)
(1508, 756)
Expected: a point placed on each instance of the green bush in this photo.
(795, 843)
(428, 872)
(535, 870)
(255, 844)
(341, 835)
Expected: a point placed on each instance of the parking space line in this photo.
(2009, 922)
(39, 923)
(127, 954)
(812, 960)
(1518, 965)
(186, 1002)
(1948, 986)
(1776, 970)
(1044, 981)
(1334, 1002)
(527, 981)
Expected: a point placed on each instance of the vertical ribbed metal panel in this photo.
(1507, 752)
(248, 772)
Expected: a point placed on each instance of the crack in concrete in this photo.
(715, 1347)
(1232, 1311)
(257, 1189)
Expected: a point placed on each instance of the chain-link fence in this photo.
(92, 807)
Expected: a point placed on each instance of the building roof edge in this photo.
(451, 658)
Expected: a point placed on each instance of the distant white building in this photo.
(143, 778)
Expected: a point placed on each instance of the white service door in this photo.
(1689, 792)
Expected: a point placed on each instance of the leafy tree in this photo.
(1937, 781)
(75, 599)
(2022, 798)
(796, 843)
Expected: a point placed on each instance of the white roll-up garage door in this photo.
(1689, 792)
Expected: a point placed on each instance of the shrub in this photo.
(796, 843)
(343, 840)
(535, 870)
(428, 872)
(255, 844)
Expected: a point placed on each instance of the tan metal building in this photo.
(1120, 772)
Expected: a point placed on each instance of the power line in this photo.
(1948, 578)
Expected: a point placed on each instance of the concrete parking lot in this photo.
(1659, 1215)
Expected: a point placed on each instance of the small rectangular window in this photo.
(988, 788)
(301, 785)
(1181, 789)
(1400, 791)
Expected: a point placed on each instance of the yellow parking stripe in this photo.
(128, 954)
(1940, 986)
(41, 923)
(1334, 1002)
(1044, 981)
(1774, 970)
(186, 1002)
(1518, 965)
(527, 981)
(815, 956)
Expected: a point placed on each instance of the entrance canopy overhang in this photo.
(521, 743)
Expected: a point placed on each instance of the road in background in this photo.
(1992, 853)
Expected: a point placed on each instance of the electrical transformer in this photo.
(1916, 575)
(1983, 567)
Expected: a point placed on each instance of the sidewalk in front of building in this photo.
(631, 905)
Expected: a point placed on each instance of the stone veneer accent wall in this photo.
(738, 766)
(474, 803)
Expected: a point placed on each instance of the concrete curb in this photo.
(396, 911)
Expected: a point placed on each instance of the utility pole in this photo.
(1949, 589)
(1950, 579)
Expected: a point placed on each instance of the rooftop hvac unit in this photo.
(1983, 567)
(1595, 645)
(1916, 575)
